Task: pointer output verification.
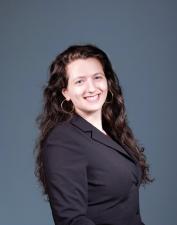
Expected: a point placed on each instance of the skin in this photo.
(87, 89)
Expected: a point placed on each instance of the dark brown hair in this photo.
(113, 113)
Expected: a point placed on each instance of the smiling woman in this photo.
(87, 87)
(88, 161)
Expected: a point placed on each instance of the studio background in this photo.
(140, 38)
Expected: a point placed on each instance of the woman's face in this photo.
(87, 86)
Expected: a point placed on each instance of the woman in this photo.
(88, 161)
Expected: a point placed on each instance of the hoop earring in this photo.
(64, 109)
(111, 97)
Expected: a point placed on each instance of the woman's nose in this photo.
(91, 86)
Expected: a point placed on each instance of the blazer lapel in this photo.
(98, 136)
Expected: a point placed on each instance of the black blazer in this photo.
(91, 179)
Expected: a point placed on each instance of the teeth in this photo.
(92, 98)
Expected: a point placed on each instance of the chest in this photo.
(110, 173)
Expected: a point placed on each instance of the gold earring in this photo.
(111, 97)
(64, 109)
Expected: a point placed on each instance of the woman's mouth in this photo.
(92, 98)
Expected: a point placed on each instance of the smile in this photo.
(92, 98)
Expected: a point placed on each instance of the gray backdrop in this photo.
(140, 37)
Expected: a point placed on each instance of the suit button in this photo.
(136, 183)
(137, 212)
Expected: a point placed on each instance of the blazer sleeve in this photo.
(66, 178)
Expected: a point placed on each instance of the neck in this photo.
(95, 119)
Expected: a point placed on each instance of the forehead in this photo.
(84, 67)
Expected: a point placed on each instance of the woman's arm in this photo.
(66, 177)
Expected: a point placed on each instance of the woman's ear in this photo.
(65, 94)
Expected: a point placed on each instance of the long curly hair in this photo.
(113, 112)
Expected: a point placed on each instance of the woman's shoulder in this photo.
(61, 129)
(74, 130)
(64, 136)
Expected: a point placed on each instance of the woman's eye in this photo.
(98, 77)
(79, 81)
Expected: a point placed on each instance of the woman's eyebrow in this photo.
(79, 77)
(82, 76)
(98, 73)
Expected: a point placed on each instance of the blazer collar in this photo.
(98, 136)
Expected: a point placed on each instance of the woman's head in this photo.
(94, 67)
(87, 86)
